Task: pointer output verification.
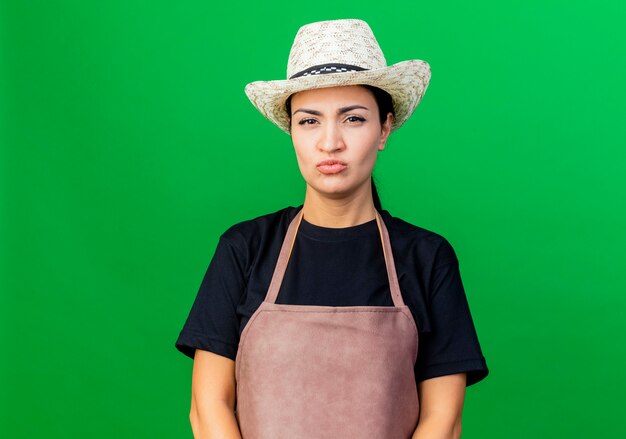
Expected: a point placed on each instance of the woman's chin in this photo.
(334, 190)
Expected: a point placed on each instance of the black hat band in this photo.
(328, 68)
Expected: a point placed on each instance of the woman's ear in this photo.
(385, 131)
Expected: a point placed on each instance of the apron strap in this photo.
(290, 238)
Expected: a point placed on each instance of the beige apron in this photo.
(308, 371)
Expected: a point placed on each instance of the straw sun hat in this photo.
(338, 53)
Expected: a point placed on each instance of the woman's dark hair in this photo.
(385, 106)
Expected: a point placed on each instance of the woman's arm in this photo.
(213, 393)
(441, 407)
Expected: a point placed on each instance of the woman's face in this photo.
(340, 124)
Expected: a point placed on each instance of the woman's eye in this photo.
(307, 122)
(355, 119)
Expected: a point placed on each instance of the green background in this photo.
(128, 146)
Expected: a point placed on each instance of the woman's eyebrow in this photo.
(306, 110)
(342, 110)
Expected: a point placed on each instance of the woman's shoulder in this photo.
(260, 226)
(406, 237)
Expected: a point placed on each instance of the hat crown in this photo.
(348, 42)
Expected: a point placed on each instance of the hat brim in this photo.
(405, 81)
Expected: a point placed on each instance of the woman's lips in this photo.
(331, 166)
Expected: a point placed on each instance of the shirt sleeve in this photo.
(452, 345)
(212, 323)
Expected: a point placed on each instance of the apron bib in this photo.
(309, 372)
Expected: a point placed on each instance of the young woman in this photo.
(333, 319)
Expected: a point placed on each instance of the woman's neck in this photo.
(323, 211)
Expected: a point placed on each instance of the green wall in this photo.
(127, 146)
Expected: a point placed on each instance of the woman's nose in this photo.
(331, 139)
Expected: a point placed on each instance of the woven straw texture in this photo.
(346, 42)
